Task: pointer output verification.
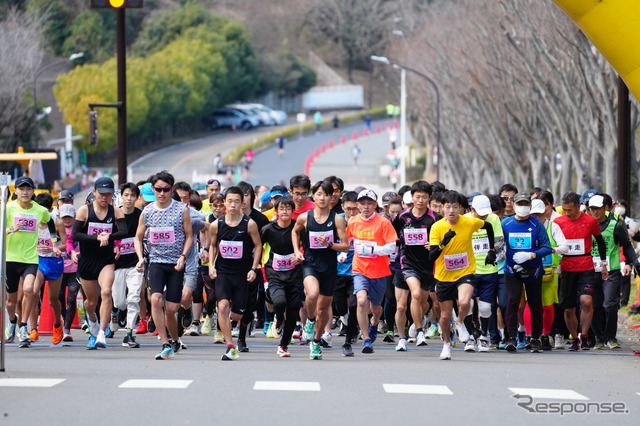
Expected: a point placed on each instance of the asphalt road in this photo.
(127, 386)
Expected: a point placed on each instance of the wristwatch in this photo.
(330, 244)
(256, 270)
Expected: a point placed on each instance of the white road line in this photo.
(549, 393)
(156, 384)
(288, 386)
(30, 383)
(417, 389)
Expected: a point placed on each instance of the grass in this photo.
(635, 318)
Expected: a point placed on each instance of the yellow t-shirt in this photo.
(457, 258)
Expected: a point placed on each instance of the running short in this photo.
(163, 278)
(17, 270)
(486, 287)
(327, 280)
(190, 280)
(51, 268)
(89, 268)
(574, 284)
(425, 280)
(375, 287)
(341, 292)
(233, 288)
(448, 291)
(278, 290)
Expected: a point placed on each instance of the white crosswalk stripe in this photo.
(156, 384)
(30, 383)
(417, 389)
(549, 393)
(287, 386)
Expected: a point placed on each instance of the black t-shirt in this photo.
(129, 260)
(413, 233)
(280, 246)
(260, 219)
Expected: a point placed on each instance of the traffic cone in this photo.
(366, 131)
(387, 126)
(354, 136)
(323, 148)
(75, 324)
(330, 142)
(343, 138)
(45, 326)
(378, 128)
(316, 153)
(395, 124)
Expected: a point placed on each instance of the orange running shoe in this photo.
(34, 335)
(57, 335)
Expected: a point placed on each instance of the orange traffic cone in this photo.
(343, 138)
(366, 131)
(330, 142)
(45, 326)
(378, 128)
(354, 136)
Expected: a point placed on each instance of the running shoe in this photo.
(23, 335)
(235, 332)
(34, 336)
(463, 334)
(613, 344)
(346, 350)
(85, 327)
(584, 342)
(402, 345)
(271, 331)
(545, 341)
(108, 332)
(388, 337)
(527, 343)
(151, 325)
(470, 345)
(521, 339)
(115, 324)
(176, 346)
(297, 332)
(412, 331)
(94, 328)
(483, 344)
(57, 335)
(325, 340)
(101, 339)
(600, 344)
(67, 337)
(264, 325)
(91, 346)
(367, 347)
(192, 330)
(129, 341)
(512, 345)
(432, 331)
(217, 337)
(242, 346)
(207, 326)
(122, 318)
(446, 351)
(10, 333)
(315, 351)
(142, 327)
(559, 342)
(536, 345)
(421, 339)
(165, 353)
(309, 331)
(187, 318)
(182, 344)
(373, 332)
(230, 354)
(575, 345)
(283, 352)
(382, 327)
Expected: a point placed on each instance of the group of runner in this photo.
(510, 270)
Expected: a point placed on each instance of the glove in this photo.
(342, 257)
(521, 257)
(447, 238)
(363, 250)
(491, 258)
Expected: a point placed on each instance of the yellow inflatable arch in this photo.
(613, 26)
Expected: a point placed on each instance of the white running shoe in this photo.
(559, 341)
(326, 340)
(446, 352)
(432, 331)
(470, 346)
(412, 331)
(235, 332)
(94, 328)
(217, 337)
(421, 340)
(463, 334)
(402, 345)
(101, 340)
(192, 330)
(483, 344)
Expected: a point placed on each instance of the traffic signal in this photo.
(93, 128)
(116, 4)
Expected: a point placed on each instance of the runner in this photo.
(299, 187)
(23, 219)
(167, 225)
(507, 192)
(234, 253)
(578, 274)
(319, 230)
(94, 230)
(450, 248)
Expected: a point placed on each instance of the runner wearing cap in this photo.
(322, 233)
(585, 197)
(384, 201)
(65, 197)
(578, 274)
(485, 291)
(94, 230)
(374, 240)
(23, 218)
(527, 243)
(70, 276)
(276, 192)
(213, 187)
(451, 249)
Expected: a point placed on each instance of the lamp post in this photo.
(403, 69)
(71, 58)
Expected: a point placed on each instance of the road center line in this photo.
(288, 386)
(30, 383)
(549, 393)
(417, 389)
(156, 384)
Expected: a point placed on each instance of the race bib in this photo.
(520, 240)
(366, 244)
(126, 246)
(453, 262)
(597, 263)
(576, 247)
(415, 236)
(231, 249)
(162, 235)
(26, 222)
(283, 262)
(481, 246)
(96, 228)
(313, 238)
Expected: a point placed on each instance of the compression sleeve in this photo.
(78, 235)
(602, 247)
(385, 250)
(489, 228)
(122, 230)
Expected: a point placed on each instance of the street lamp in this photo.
(71, 58)
(403, 95)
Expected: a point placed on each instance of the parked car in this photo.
(278, 117)
(264, 117)
(233, 118)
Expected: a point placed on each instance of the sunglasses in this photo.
(216, 206)
(213, 182)
(337, 191)
(508, 198)
(162, 188)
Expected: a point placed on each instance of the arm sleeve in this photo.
(78, 235)
(489, 228)
(385, 250)
(122, 230)
(602, 247)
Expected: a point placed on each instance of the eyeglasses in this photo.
(337, 191)
(351, 209)
(300, 194)
(216, 206)
(162, 188)
(508, 198)
(215, 182)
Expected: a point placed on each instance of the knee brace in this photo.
(484, 308)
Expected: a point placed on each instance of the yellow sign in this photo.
(116, 3)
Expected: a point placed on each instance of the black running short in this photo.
(17, 270)
(163, 278)
(89, 268)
